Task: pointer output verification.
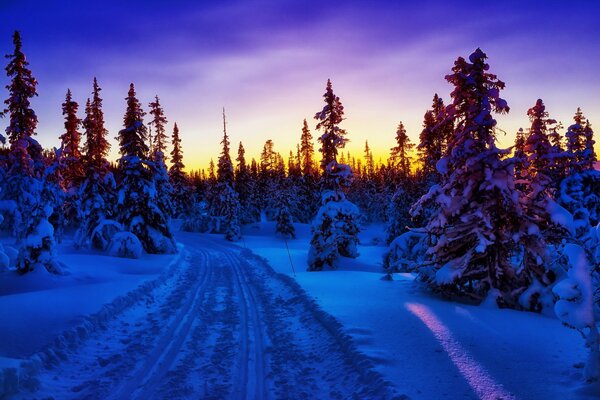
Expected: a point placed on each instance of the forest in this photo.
(474, 223)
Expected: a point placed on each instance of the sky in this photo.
(267, 63)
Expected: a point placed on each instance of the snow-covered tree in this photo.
(244, 186)
(22, 184)
(284, 226)
(437, 128)
(335, 228)
(333, 137)
(22, 118)
(97, 192)
(575, 306)
(178, 178)
(70, 154)
(580, 144)
(472, 233)
(138, 208)
(164, 189)
(225, 203)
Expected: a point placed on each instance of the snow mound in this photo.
(126, 245)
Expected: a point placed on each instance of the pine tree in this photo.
(520, 159)
(138, 209)
(97, 197)
(580, 144)
(225, 202)
(536, 202)
(333, 137)
(437, 129)
(244, 185)
(73, 173)
(400, 157)
(307, 150)
(335, 228)
(159, 142)
(179, 180)
(70, 145)
(22, 119)
(164, 189)
(22, 185)
(471, 235)
(284, 226)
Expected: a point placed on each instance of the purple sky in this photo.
(267, 62)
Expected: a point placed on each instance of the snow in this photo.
(172, 325)
(466, 351)
(60, 303)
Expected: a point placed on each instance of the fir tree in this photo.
(22, 185)
(139, 208)
(471, 235)
(580, 144)
(97, 197)
(284, 226)
(335, 228)
(400, 158)
(159, 142)
(225, 202)
(70, 154)
(307, 150)
(22, 118)
(70, 144)
(332, 137)
(164, 189)
(179, 180)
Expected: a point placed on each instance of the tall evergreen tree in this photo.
(335, 228)
(307, 150)
(400, 154)
(580, 144)
(179, 180)
(164, 189)
(333, 137)
(472, 233)
(138, 209)
(22, 185)
(97, 197)
(70, 145)
(225, 202)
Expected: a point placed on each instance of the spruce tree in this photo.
(400, 158)
(138, 209)
(333, 137)
(335, 228)
(164, 189)
(23, 184)
(73, 173)
(472, 234)
(307, 150)
(580, 144)
(97, 192)
(244, 185)
(225, 202)
(178, 178)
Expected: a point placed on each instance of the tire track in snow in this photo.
(223, 326)
(143, 384)
(249, 385)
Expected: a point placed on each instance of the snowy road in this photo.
(221, 324)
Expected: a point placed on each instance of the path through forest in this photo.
(221, 324)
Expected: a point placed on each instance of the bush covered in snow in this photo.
(575, 305)
(406, 252)
(103, 234)
(126, 245)
(334, 231)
